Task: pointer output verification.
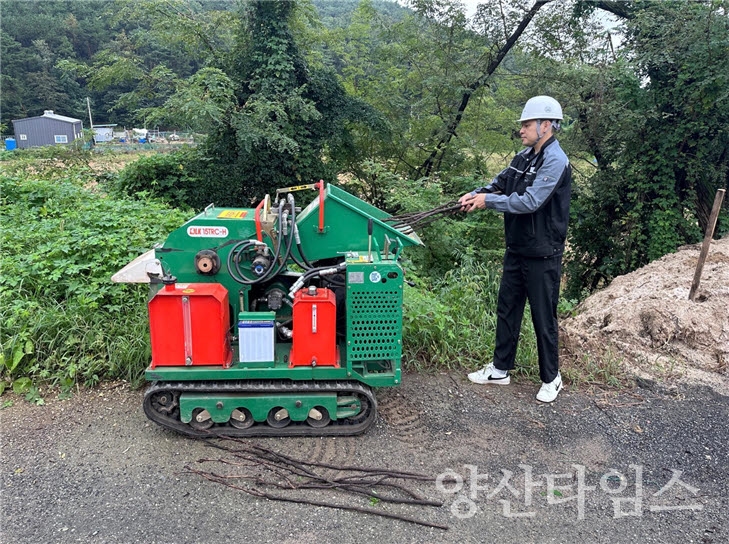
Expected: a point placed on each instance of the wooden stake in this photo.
(707, 241)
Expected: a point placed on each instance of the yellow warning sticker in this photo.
(233, 214)
(186, 291)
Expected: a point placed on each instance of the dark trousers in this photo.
(535, 279)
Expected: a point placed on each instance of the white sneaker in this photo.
(549, 391)
(489, 374)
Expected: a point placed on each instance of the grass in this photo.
(451, 324)
(605, 369)
(75, 344)
(63, 322)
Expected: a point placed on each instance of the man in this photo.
(534, 195)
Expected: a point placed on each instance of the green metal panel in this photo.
(374, 311)
(366, 374)
(357, 371)
(220, 405)
(244, 371)
(256, 316)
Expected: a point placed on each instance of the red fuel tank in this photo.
(315, 328)
(189, 325)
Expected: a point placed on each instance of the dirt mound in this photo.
(646, 320)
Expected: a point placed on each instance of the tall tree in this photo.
(425, 69)
(271, 118)
(486, 68)
(288, 121)
(655, 120)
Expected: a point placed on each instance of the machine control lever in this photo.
(369, 239)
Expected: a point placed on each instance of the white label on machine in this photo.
(200, 231)
(356, 277)
(375, 277)
(256, 340)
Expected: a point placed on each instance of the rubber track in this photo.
(341, 427)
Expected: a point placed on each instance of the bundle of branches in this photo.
(264, 473)
(415, 220)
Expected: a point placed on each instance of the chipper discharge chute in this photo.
(274, 321)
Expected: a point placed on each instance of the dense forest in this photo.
(45, 43)
(391, 95)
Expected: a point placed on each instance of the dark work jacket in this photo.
(534, 195)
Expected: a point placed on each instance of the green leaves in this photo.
(80, 235)
(62, 317)
(19, 351)
(289, 122)
(204, 101)
(655, 122)
(22, 386)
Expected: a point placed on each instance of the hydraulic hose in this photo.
(316, 272)
(287, 255)
(288, 239)
(234, 264)
(306, 265)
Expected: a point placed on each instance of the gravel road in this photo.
(648, 465)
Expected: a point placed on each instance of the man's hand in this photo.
(470, 202)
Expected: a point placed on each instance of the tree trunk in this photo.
(622, 9)
(449, 131)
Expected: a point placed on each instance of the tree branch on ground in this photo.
(260, 470)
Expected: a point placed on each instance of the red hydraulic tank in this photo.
(315, 328)
(189, 325)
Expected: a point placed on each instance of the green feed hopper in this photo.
(344, 227)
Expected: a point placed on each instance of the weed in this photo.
(22, 385)
(607, 368)
(567, 307)
(451, 323)
(33, 396)
(64, 322)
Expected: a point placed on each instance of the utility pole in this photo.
(88, 105)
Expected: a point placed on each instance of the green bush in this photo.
(451, 323)
(167, 176)
(62, 317)
(184, 179)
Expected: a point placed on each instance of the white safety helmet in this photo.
(541, 107)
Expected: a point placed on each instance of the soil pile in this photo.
(645, 320)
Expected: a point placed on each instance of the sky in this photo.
(608, 20)
(471, 6)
